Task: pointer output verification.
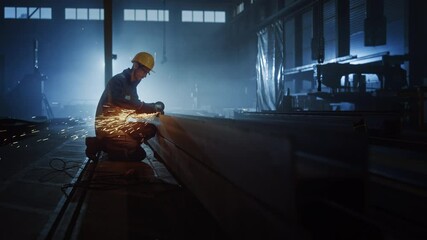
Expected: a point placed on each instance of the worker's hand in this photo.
(160, 107)
(157, 107)
(146, 108)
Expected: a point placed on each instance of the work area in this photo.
(213, 119)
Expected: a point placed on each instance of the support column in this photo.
(108, 39)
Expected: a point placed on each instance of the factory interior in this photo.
(283, 119)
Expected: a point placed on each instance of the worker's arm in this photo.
(122, 96)
(146, 108)
(151, 107)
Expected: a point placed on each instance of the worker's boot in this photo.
(93, 148)
(137, 155)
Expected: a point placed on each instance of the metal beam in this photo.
(108, 39)
(246, 172)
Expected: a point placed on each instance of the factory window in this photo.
(140, 15)
(39, 13)
(34, 12)
(146, 15)
(129, 15)
(152, 15)
(209, 16)
(203, 16)
(21, 12)
(219, 16)
(163, 15)
(187, 16)
(96, 14)
(197, 16)
(84, 14)
(46, 13)
(27, 13)
(9, 12)
(70, 13)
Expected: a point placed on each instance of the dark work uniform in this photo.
(121, 139)
(120, 92)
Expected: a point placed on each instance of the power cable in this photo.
(62, 168)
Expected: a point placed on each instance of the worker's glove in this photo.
(156, 107)
(160, 107)
(146, 108)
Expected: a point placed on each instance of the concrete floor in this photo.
(149, 205)
(30, 186)
(131, 201)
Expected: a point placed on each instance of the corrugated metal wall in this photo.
(329, 28)
(290, 43)
(307, 35)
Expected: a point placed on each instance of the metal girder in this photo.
(251, 174)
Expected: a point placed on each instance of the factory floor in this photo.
(40, 165)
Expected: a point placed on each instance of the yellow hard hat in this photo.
(144, 59)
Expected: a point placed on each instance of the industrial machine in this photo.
(31, 95)
(348, 83)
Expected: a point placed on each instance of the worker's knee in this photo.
(126, 154)
(121, 148)
(93, 147)
(151, 131)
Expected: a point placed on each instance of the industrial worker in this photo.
(120, 139)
